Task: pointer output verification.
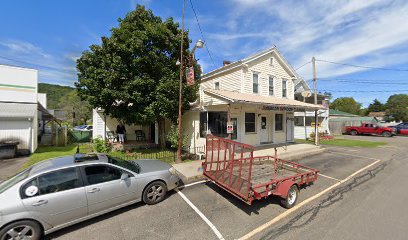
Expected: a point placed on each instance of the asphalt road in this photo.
(369, 205)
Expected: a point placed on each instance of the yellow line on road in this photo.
(290, 211)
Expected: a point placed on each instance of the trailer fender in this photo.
(283, 188)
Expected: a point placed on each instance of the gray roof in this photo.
(17, 110)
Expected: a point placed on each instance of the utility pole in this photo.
(315, 101)
(178, 160)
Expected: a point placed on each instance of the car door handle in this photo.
(94, 190)
(41, 202)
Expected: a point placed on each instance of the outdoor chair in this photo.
(140, 136)
(110, 136)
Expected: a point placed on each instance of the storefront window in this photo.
(299, 121)
(216, 122)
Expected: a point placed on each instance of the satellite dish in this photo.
(306, 94)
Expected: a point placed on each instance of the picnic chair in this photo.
(111, 136)
(140, 135)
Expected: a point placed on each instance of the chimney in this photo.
(226, 62)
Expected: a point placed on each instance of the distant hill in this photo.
(54, 93)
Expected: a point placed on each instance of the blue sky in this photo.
(50, 36)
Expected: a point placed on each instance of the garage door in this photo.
(16, 130)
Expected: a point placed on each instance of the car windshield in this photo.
(13, 180)
(131, 165)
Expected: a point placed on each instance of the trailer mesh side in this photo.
(229, 164)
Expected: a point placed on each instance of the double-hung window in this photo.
(284, 88)
(217, 85)
(278, 122)
(250, 123)
(270, 85)
(255, 83)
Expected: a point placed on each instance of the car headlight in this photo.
(172, 171)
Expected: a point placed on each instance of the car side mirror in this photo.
(124, 176)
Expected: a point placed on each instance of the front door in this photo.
(289, 128)
(264, 132)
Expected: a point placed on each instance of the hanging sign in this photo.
(190, 76)
(230, 128)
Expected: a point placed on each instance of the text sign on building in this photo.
(281, 108)
(230, 128)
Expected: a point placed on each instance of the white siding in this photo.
(17, 130)
(18, 84)
(98, 124)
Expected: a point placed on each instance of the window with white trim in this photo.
(271, 86)
(284, 88)
(255, 83)
(250, 123)
(271, 61)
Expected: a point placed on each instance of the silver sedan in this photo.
(56, 193)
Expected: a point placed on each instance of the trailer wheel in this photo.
(292, 197)
(353, 132)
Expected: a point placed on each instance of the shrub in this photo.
(101, 146)
(172, 138)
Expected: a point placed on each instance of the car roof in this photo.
(67, 161)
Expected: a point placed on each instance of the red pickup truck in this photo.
(371, 129)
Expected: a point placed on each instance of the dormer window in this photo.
(217, 85)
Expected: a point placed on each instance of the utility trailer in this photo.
(232, 166)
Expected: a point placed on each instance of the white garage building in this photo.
(19, 104)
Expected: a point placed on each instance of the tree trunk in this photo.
(162, 133)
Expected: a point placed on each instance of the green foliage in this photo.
(101, 146)
(72, 103)
(47, 152)
(133, 74)
(397, 107)
(172, 137)
(54, 93)
(376, 106)
(346, 104)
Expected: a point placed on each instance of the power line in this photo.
(366, 82)
(202, 35)
(302, 65)
(366, 67)
(36, 65)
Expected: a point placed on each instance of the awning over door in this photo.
(268, 102)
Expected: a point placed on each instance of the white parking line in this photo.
(332, 178)
(194, 183)
(212, 226)
(296, 207)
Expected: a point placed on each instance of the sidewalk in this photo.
(192, 171)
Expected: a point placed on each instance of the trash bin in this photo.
(8, 149)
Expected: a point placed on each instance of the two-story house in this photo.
(255, 95)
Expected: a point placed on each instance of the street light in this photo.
(199, 44)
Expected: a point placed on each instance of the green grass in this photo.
(345, 143)
(47, 152)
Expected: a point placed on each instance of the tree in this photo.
(78, 111)
(397, 107)
(376, 106)
(346, 104)
(133, 74)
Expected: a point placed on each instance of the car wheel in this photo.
(154, 193)
(386, 134)
(353, 132)
(22, 230)
(292, 197)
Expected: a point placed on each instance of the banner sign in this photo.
(281, 108)
(190, 76)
